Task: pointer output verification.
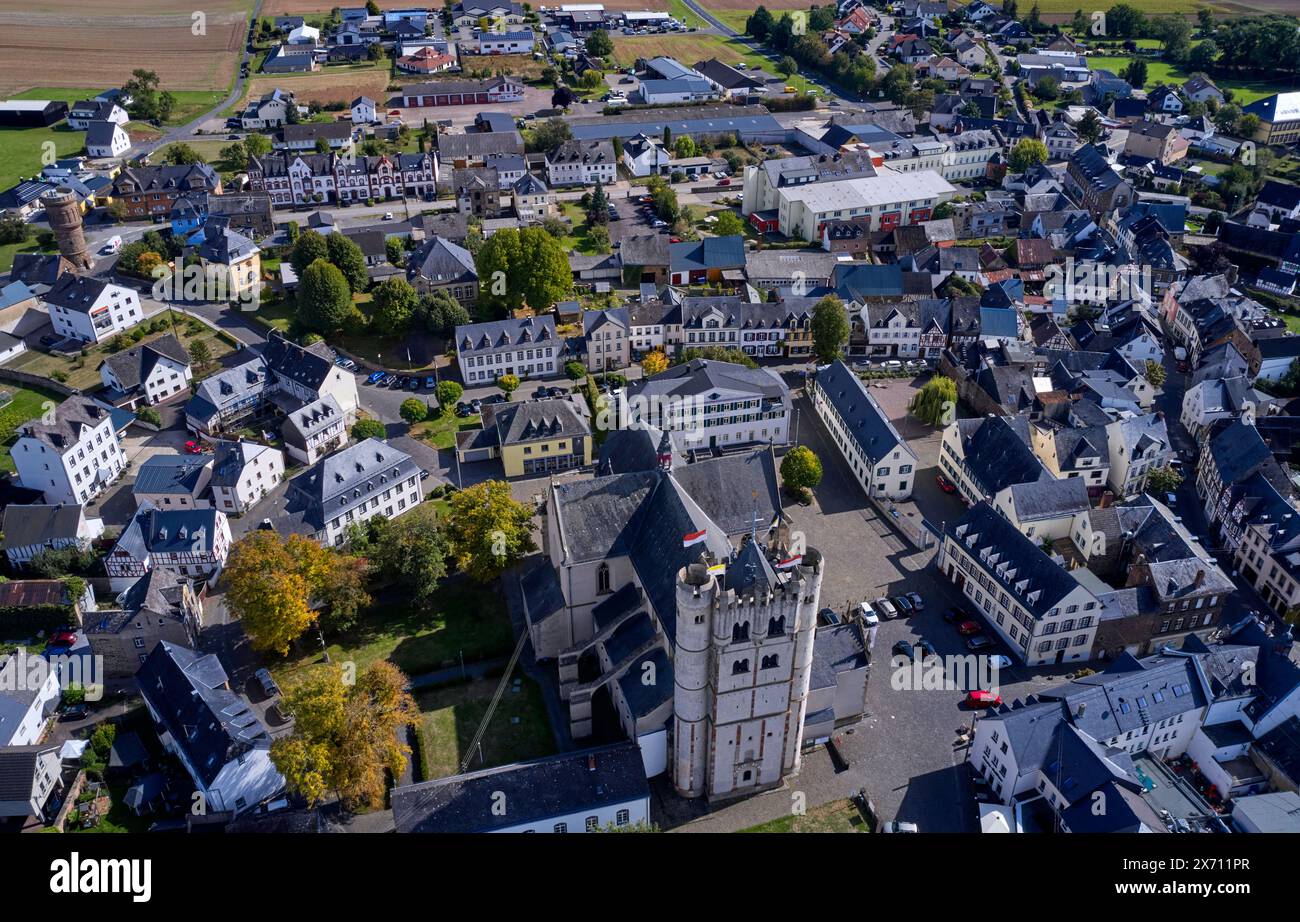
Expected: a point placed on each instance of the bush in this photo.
(149, 415)
(575, 371)
(364, 429)
(414, 410)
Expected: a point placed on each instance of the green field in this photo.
(27, 404)
(24, 152)
(836, 816)
(450, 716)
(1244, 92)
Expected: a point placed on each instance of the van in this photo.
(790, 89)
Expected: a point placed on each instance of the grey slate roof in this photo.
(25, 526)
(543, 789)
(345, 480)
(134, 365)
(862, 417)
(170, 474)
(1049, 498)
(997, 452)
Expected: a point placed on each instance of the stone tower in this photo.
(742, 665)
(64, 214)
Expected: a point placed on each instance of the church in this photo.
(679, 612)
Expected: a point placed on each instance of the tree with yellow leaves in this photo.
(654, 362)
(488, 529)
(275, 586)
(345, 737)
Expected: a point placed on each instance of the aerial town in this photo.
(654, 416)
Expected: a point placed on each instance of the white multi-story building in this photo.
(314, 430)
(581, 163)
(150, 372)
(306, 179)
(526, 347)
(91, 309)
(72, 454)
(881, 460)
(243, 473)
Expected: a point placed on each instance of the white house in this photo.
(212, 731)
(72, 455)
(29, 693)
(28, 530)
(271, 111)
(881, 460)
(645, 156)
(314, 430)
(364, 112)
(526, 347)
(106, 139)
(91, 310)
(514, 42)
(149, 373)
(191, 543)
(96, 110)
(243, 473)
(581, 163)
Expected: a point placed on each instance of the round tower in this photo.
(64, 214)
(811, 570)
(696, 590)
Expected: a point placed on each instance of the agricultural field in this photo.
(93, 45)
(323, 87)
(734, 12)
(1243, 91)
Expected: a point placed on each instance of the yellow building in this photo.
(232, 263)
(530, 438)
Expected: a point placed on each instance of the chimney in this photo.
(1231, 275)
(591, 763)
(1200, 579)
(1106, 499)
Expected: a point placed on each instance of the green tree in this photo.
(549, 135)
(728, 224)
(801, 470)
(547, 277)
(760, 24)
(1136, 73)
(413, 410)
(488, 530)
(200, 353)
(1027, 153)
(324, 300)
(575, 370)
(1089, 127)
(787, 66)
(235, 156)
(508, 384)
(830, 329)
(180, 154)
(1079, 24)
(393, 305)
(448, 393)
(345, 254)
(1163, 480)
(309, 247)
(936, 402)
(394, 252)
(257, 145)
(1155, 373)
(364, 429)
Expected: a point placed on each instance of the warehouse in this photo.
(32, 113)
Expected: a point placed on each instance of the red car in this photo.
(63, 639)
(967, 628)
(193, 448)
(945, 484)
(983, 699)
(724, 182)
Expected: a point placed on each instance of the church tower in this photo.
(742, 666)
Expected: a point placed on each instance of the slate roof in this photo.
(495, 335)
(25, 526)
(210, 724)
(18, 771)
(707, 253)
(540, 790)
(862, 417)
(444, 263)
(70, 418)
(837, 648)
(997, 453)
(345, 480)
(133, 366)
(170, 474)
(1049, 498)
(535, 420)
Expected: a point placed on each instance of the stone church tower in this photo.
(742, 666)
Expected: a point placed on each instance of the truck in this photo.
(1180, 353)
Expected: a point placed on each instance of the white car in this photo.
(893, 365)
(886, 609)
(868, 616)
(896, 826)
(388, 216)
(1000, 661)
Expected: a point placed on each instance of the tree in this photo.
(1204, 56)
(935, 403)
(654, 362)
(410, 551)
(1136, 73)
(728, 224)
(179, 154)
(830, 329)
(508, 384)
(562, 98)
(1089, 127)
(413, 410)
(600, 44)
(1175, 35)
(545, 270)
(760, 24)
(394, 252)
(324, 300)
(345, 254)
(598, 236)
(364, 429)
(488, 530)
(257, 145)
(13, 229)
(598, 206)
(393, 305)
(1125, 21)
(1079, 24)
(685, 147)
(1027, 153)
(448, 393)
(1155, 373)
(787, 65)
(274, 586)
(200, 353)
(801, 470)
(1163, 480)
(1048, 88)
(346, 739)
(235, 156)
(309, 247)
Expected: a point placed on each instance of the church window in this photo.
(740, 632)
(776, 626)
(602, 579)
(771, 662)
(740, 667)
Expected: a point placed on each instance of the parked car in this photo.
(430, 382)
(903, 648)
(969, 628)
(886, 609)
(413, 383)
(926, 648)
(374, 377)
(555, 391)
(867, 614)
(975, 644)
(955, 616)
(193, 448)
(476, 405)
(541, 393)
(828, 617)
(945, 484)
(463, 410)
(73, 712)
(903, 604)
(896, 826)
(892, 365)
(983, 699)
(918, 603)
(724, 182)
(266, 682)
(1000, 661)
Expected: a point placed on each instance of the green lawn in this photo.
(734, 18)
(9, 250)
(24, 152)
(683, 13)
(450, 716)
(440, 432)
(1244, 92)
(461, 620)
(27, 404)
(836, 816)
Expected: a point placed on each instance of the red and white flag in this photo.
(694, 537)
(790, 562)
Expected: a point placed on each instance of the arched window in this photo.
(776, 626)
(770, 662)
(740, 632)
(739, 667)
(602, 579)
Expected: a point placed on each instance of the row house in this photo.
(582, 163)
(244, 472)
(303, 179)
(150, 192)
